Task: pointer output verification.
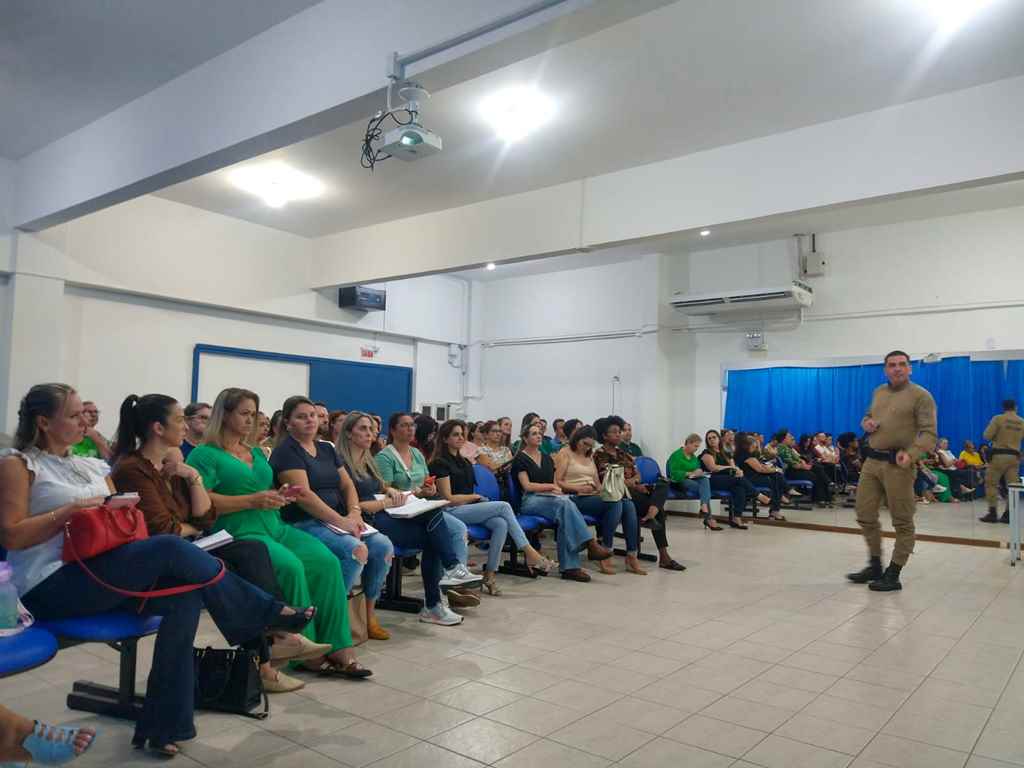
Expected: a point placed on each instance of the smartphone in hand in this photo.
(290, 492)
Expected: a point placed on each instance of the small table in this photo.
(1013, 492)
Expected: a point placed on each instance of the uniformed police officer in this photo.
(900, 427)
(1005, 432)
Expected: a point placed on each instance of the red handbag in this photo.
(94, 531)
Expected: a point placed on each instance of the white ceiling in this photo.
(65, 63)
(686, 77)
(1008, 194)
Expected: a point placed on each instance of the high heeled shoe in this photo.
(709, 526)
(490, 583)
(734, 524)
(294, 622)
(53, 744)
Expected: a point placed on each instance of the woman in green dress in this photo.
(241, 486)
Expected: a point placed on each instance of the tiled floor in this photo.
(758, 655)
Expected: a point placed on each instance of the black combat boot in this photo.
(1005, 518)
(890, 581)
(872, 573)
(991, 517)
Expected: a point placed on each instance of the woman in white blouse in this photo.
(42, 486)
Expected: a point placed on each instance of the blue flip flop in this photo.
(53, 744)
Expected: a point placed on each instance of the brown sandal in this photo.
(352, 670)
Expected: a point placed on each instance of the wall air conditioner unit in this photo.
(755, 301)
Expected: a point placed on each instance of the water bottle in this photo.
(8, 598)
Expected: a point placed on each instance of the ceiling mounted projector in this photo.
(410, 142)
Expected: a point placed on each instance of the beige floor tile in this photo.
(362, 744)
(533, 716)
(767, 692)
(239, 746)
(814, 682)
(949, 724)
(959, 692)
(643, 715)
(716, 735)
(759, 651)
(760, 717)
(975, 761)
(779, 752)
(665, 753)
(867, 693)
(1002, 738)
(688, 699)
(824, 665)
(595, 734)
(476, 698)
(827, 734)
(424, 719)
(579, 696)
(904, 753)
(484, 740)
(549, 754)
(424, 755)
(521, 680)
(854, 713)
(362, 699)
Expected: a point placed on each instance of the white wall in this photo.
(117, 345)
(951, 284)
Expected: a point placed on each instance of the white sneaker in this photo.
(440, 614)
(939, 489)
(458, 575)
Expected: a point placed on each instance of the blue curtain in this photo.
(967, 394)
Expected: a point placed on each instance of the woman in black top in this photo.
(302, 460)
(453, 474)
(535, 473)
(726, 476)
(760, 474)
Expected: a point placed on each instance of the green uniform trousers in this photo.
(881, 481)
(308, 574)
(1001, 466)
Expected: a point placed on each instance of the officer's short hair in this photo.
(897, 353)
(1009, 405)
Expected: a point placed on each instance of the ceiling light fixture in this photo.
(516, 112)
(950, 15)
(705, 232)
(276, 182)
(491, 266)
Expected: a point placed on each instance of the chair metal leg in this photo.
(513, 566)
(121, 702)
(392, 599)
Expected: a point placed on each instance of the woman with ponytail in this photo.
(172, 498)
(42, 486)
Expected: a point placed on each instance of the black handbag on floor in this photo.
(228, 680)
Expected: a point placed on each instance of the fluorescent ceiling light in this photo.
(950, 15)
(491, 266)
(276, 182)
(705, 232)
(515, 112)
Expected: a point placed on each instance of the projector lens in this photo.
(411, 139)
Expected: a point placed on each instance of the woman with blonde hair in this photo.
(241, 486)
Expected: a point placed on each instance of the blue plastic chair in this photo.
(26, 650)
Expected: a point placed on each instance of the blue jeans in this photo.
(573, 533)
(430, 533)
(609, 514)
(499, 518)
(457, 529)
(701, 486)
(378, 561)
(240, 610)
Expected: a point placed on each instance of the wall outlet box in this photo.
(814, 265)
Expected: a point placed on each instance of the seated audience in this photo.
(323, 417)
(261, 434)
(729, 442)
(31, 741)
(726, 476)
(943, 485)
(799, 468)
(560, 438)
(425, 428)
(494, 454)
(43, 485)
(335, 419)
(93, 445)
(276, 427)
(577, 475)
(197, 415)
(505, 425)
(959, 478)
(403, 467)
(429, 532)
(823, 453)
(456, 482)
(146, 460)
(687, 474)
(241, 485)
(970, 456)
(535, 472)
(302, 461)
(470, 449)
(761, 474)
(849, 456)
(649, 500)
(379, 441)
(633, 449)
